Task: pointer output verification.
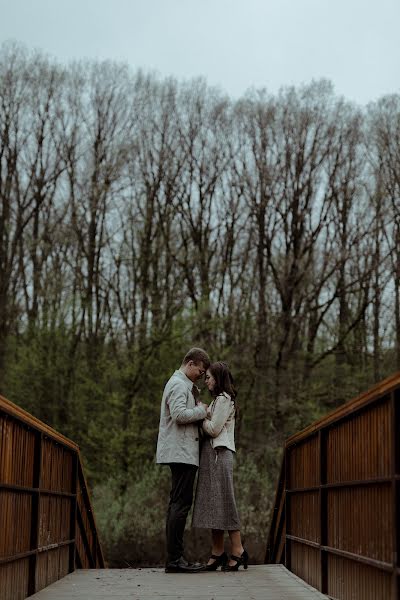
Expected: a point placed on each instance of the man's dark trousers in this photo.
(180, 501)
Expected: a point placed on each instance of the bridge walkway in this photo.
(259, 582)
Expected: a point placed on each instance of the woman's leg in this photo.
(217, 537)
(236, 545)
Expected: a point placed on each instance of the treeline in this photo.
(140, 216)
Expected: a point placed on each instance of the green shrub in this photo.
(132, 524)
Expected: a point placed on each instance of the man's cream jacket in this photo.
(178, 436)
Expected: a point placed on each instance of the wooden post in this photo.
(35, 514)
(288, 558)
(395, 473)
(323, 509)
(74, 499)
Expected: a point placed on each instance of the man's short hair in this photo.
(197, 355)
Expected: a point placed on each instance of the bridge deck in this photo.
(261, 582)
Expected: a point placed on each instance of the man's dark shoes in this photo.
(183, 566)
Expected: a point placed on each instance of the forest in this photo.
(141, 216)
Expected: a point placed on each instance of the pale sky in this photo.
(234, 44)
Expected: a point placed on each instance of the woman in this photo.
(215, 506)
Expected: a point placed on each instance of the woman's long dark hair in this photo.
(223, 380)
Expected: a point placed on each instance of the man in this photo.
(178, 446)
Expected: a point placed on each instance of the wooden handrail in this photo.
(18, 413)
(43, 488)
(336, 520)
(372, 395)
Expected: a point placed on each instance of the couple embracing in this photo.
(184, 421)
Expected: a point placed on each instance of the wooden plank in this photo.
(31, 490)
(260, 582)
(395, 468)
(35, 518)
(288, 512)
(323, 510)
(73, 515)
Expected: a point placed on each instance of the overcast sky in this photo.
(234, 44)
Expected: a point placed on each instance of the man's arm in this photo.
(178, 409)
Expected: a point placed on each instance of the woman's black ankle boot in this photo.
(240, 560)
(219, 561)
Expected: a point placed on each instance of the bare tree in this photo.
(385, 157)
(96, 158)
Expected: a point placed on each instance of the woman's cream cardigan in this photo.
(220, 422)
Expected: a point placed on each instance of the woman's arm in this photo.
(222, 410)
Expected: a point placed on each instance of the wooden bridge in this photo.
(334, 531)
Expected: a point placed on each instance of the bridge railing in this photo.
(336, 519)
(47, 526)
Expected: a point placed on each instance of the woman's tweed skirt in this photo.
(215, 506)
